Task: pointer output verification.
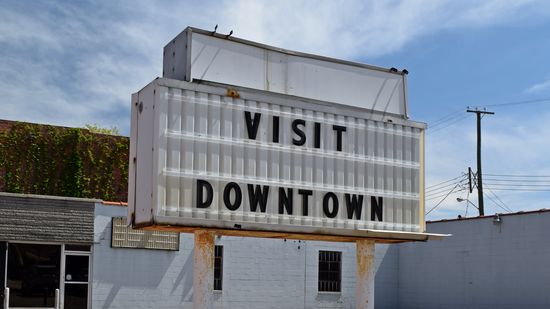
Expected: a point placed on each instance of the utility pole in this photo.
(479, 113)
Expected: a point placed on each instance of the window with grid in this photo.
(330, 271)
(218, 267)
(124, 236)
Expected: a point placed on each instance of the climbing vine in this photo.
(49, 160)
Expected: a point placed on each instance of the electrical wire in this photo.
(440, 190)
(444, 182)
(442, 200)
(517, 176)
(497, 204)
(517, 180)
(448, 125)
(498, 198)
(520, 102)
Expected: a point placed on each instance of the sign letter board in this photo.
(256, 160)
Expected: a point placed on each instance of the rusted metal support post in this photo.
(203, 270)
(364, 287)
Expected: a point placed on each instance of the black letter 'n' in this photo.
(376, 208)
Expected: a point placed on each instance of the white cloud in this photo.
(82, 61)
(352, 29)
(538, 88)
(77, 63)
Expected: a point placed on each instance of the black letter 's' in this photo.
(299, 132)
(209, 194)
(252, 125)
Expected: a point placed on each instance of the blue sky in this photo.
(77, 62)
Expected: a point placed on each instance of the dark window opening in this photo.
(330, 271)
(85, 248)
(218, 267)
(33, 274)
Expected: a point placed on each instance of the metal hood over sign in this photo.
(199, 55)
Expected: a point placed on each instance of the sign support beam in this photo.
(364, 286)
(203, 270)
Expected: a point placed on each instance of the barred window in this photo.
(218, 267)
(330, 271)
(124, 236)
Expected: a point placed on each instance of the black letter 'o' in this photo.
(227, 193)
(326, 210)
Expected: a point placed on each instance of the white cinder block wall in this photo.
(258, 273)
(485, 264)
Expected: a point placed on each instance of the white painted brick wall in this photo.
(258, 273)
(483, 265)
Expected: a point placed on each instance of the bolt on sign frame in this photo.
(247, 162)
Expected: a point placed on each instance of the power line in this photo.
(523, 190)
(513, 185)
(490, 198)
(445, 118)
(442, 200)
(518, 180)
(448, 125)
(498, 198)
(517, 176)
(443, 182)
(520, 102)
(441, 189)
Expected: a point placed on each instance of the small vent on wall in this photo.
(125, 237)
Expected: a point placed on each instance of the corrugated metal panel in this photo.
(203, 135)
(196, 54)
(62, 220)
(126, 237)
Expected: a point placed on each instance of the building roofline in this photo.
(492, 216)
(51, 197)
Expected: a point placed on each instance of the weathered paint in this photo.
(364, 287)
(203, 271)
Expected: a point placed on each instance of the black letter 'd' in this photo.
(203, 184)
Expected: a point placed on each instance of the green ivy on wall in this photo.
(49, 160)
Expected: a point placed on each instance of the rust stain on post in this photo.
(203, 272)
(364, 288)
